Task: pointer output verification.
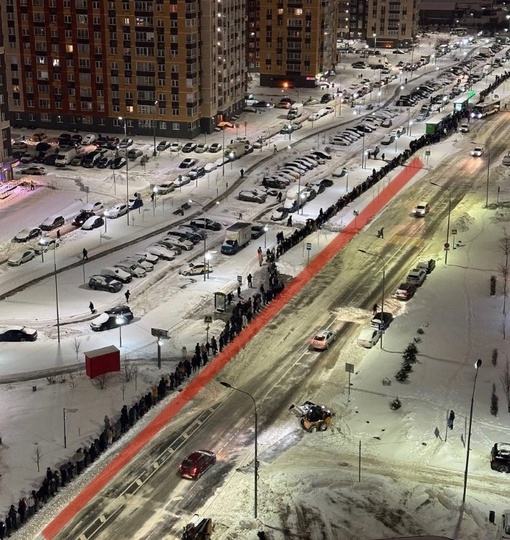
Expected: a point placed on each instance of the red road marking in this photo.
(216, 365)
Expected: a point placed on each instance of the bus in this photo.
(462, 102)
(481, 110)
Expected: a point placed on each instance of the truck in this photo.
(235, 151)
(65, 156)
(486, 52)
(295, 111)
(378, 62)
(237, 236)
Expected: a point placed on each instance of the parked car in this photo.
(45, 244)
(182, 180)
(141, 261)
(206, 223)
(174, 242)
(421, 209)
(280, 214)
(464, 128)
(164, 188)
(131, 267)
(201, 148)
(506, 160)
(125, 143)
(28, 234)
(416, 276)
(148, 256)
(427, 264)
(88, 139)
(405, 291)
(116, 211)
(368, 337)
(134, 153)
(381, 320)
(93, 222)
(175, 146)
(196, 270)
(135, 202)
(53, 222)
(388, 139)
(117, 273)
(97, 207)
(105, 283)
(322, 340)
(20, 257)
(257, 231)
(215, 148)
(196, 464)
(196, 172)
(253, 195)
(112, 318)
(34, 170)
(18, 333)
(162, 252)
(162, 145)
(118, 162)
(189, 147)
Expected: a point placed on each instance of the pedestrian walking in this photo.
(279, 196)
(32, 185)
(375, 308)
(240, 215)
(242, 173)
(250, 280)
(58, 235)
(92, 308)
(184, 353)
(451, 419)
(289, 222)
(383, 156)
(127, 294)
(239, 291)
(380, 233)
(85, 254)
(275, 148)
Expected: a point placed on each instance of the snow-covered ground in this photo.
(461, 323)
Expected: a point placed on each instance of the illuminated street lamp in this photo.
(256, 463)
(266, 228)
(154, 152)
(478, 364)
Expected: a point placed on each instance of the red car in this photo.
(195, 465)
(405, 291)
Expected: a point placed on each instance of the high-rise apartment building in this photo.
(5, 145)
(391, 23)
(176, 66)
(297, 41)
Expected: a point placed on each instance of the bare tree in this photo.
(76, 346)
(37, 456)
(129, 370)
(505, 383)
(51, 379)
(101, 380)
(135, 375)
(72, 380)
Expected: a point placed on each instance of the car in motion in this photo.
(20, 257)
(105, 283)
(112, 318)
(93, 222)
(196, 270)
(28, 234)
(18, 333)
(477, 151)
(322, 340)
(81, 218)
(368, 337)
(34, 170)
(421, 209)
(196, 464)
(206, 223)
(187, 163)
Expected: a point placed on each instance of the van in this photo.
(118, 273)
(65, 156)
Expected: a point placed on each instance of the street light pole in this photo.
(447, 245)
(223, 152)
(256, 463)
(383, 287)
(56, 293)
(127, 167)
(265, 233)
(154, 152)
(478, 363)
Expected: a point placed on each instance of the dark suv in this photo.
(112, 318)
(105, 283)
(500, 457)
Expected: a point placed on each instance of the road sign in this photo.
(447, 246)
(160, 333)
(382, 327)
(208, 319)
(309, 246)
(427, 152)
(349, 367)
(454, 231)
(240, 279)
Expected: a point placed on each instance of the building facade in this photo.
(297, 41)
(391, 23)
(176, 67)
(5, 129)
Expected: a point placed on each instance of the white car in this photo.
(421, 209)
(116, 211)
(161, 252)
(464, 128)
(97, 207)
(210, 167)
(416, 276)
(148, 256)
(88, 139)
(141, 261)
(368, 337)
(314, 117)
(45, 244)
(477, 151)
(28, 234)
(131, 267)
(164, 188)
(20, 257)
(93, 222)
(182, 180)
(175, 146)
(177, 242)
